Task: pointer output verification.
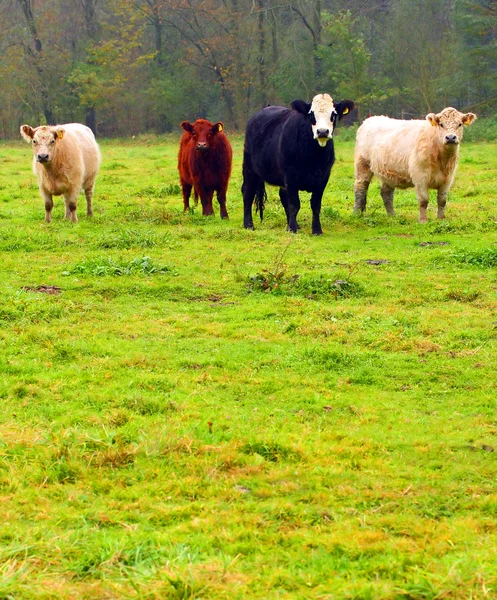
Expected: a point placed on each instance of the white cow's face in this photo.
(323, 117)
(449, 125)
(43, 140)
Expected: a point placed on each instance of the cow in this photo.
(66, 160)
(204, 164)
(420, 153)
(291, 148)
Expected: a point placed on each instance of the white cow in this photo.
(421, 153)
(66, 160)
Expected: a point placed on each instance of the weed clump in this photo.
(271, 452)
(106, 266)
(127, 238)
(484, 258)
(310, 286)
(171, 189)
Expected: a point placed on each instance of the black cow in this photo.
(293, 149)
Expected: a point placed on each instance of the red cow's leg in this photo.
(206, 199)
(186, 189)
(221, 198)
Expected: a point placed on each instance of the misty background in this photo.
(126, 67)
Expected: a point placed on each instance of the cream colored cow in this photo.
(421, 153)
(66, 160)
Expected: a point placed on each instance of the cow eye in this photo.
(313, 117)
(460, 125)
(52, 141)
(35, 142)
(441, 125)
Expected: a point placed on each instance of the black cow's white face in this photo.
(323, 114)
(323, 117)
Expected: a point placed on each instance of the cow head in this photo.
(202, 132)
(44, 141)
(450, 125)
(323, 114)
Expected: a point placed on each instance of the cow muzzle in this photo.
(202, 147)
(451, 139)
(42, 158)
(323, 136)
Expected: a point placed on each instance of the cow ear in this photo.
(27, 132)
(187, 126)
(301, 106)
(344, 107)
(433, 119)
(219, 126)
(468, 118)
(59, 133)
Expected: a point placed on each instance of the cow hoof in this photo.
(225, 217)
(251, 227)
(317, 233)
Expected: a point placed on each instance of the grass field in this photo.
(206, 412)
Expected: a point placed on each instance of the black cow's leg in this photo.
(284, 202)
(249, 189)
(316, 211)
(293, 209)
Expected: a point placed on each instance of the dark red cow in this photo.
(204, 163)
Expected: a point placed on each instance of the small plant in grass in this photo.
(271, 452)
(106, 266)
(127, 238)
(486, 257)
(171, 189)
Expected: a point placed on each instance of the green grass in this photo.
(208, 412)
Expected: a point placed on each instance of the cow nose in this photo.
(42, 157)
(451, 138)
(322, 133)
(202, 146)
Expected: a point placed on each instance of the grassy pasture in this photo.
(205, 412)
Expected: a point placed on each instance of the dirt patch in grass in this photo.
(44, 289)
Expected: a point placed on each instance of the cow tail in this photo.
(260, 199)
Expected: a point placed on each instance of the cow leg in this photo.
(316, 199)
(363, 176)
(284, 202)
(70, 201)
(47, 199)
(423, 196)
(206, 201)
(293, 209)
(249, 189)
(221, 198)
(387, 193)
(89, 196)
(441, 201)
(186, 190)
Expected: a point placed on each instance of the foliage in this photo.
(108, 266)
(127, 67)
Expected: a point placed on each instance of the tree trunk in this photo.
(91, 118)
(91, 25)
(262, 52)
(36, 54)
(318, 63)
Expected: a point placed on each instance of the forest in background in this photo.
(126, 67)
